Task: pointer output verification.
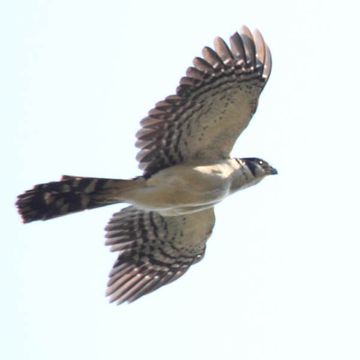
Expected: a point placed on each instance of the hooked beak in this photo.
(273, 171)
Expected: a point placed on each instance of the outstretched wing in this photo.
(212, 106)
(154, 250)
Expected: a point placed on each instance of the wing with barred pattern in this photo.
(212, 106)
(154, 250)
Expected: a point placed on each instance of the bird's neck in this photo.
(242, 177)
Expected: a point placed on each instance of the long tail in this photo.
(70, 194)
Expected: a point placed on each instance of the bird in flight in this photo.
(185, 144)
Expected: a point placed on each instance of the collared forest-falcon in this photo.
(185, 144)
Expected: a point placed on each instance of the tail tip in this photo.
(26, 207)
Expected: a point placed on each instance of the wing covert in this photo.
(154, 250)
(212, 106)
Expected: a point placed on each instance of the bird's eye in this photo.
(261, 162)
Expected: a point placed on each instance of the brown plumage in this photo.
(185, 143)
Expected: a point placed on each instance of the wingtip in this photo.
(245, 30)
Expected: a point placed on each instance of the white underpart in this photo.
(184, 189)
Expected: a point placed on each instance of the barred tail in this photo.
(70, 194)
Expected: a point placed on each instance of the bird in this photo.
(184, 152)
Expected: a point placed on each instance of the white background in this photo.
(280, 279)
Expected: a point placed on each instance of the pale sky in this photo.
(280, 279)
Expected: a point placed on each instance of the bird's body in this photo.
(185, 145)
(187, 188)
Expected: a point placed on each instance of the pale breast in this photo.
(184, 188)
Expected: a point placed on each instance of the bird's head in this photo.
(256, 169)
(259, 168)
